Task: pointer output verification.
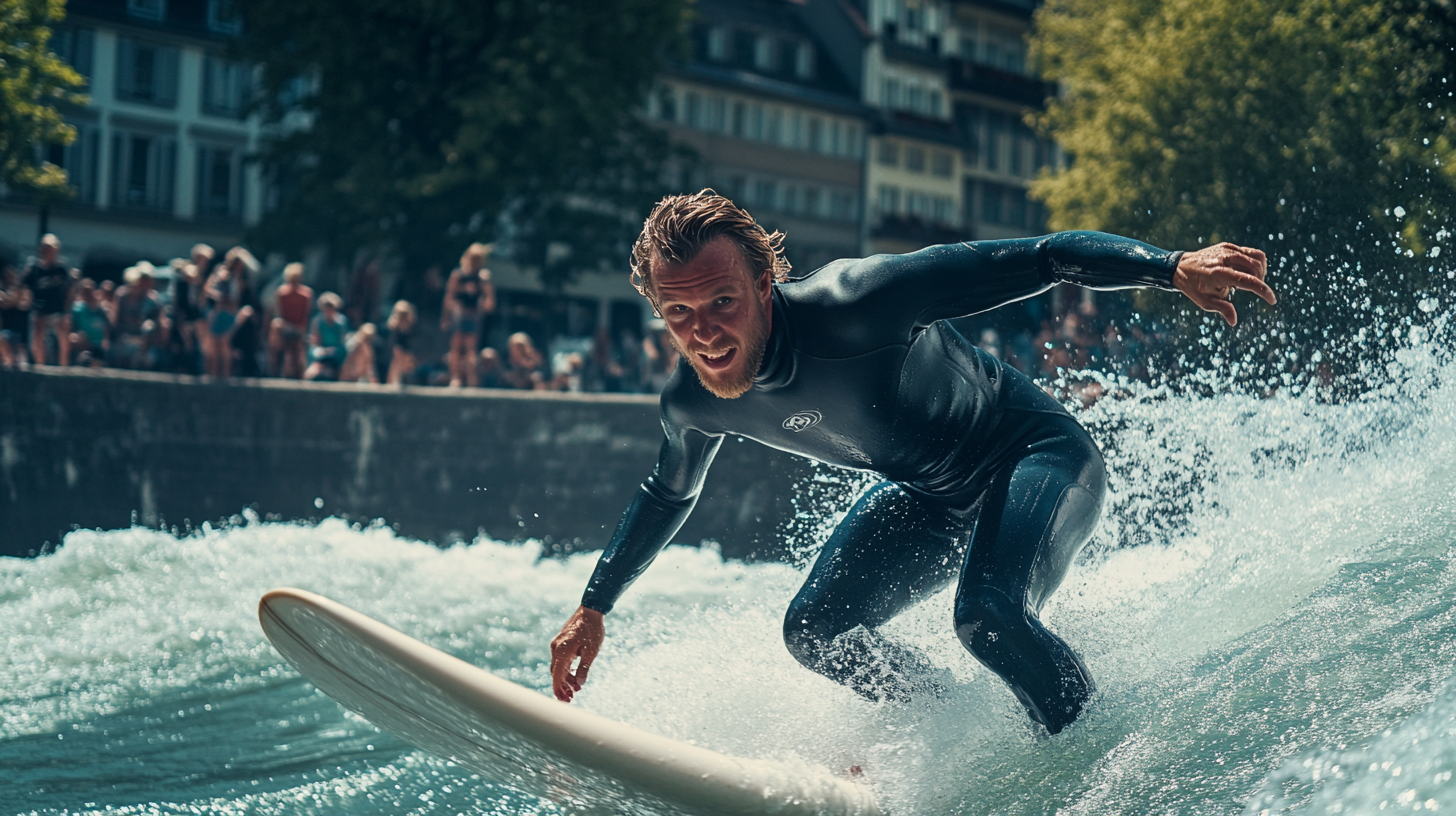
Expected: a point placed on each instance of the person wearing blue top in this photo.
(986, 480)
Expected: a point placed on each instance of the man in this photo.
(288, 331)
(986, 479)
(49, 282)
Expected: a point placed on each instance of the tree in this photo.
(422, 126)
(1323, 131)
(33, 82)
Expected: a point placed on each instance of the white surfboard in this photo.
(522, 738)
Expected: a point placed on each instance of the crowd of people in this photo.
(218, 318)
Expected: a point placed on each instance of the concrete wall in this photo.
(100, 448)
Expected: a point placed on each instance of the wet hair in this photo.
(680, 226)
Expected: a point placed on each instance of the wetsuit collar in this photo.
(777, 368)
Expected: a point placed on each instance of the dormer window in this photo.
(804, 61)
(718, 43)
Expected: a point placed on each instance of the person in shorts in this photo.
(288, 333)
(50, 283)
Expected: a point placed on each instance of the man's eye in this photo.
(724, 301)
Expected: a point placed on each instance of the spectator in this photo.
(469, 297)
(225, 291)
(524, 364)
(359, 356)
(187, 285)
(244, 341)
(15, 302)
(659, 356)
(139, 330)
(50, 283)
(363, 295)
(326, 339)
(401, 325)
(288, 331)
(491, 369)
(91, 335)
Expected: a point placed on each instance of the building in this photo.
(778, 126)
(159, 159)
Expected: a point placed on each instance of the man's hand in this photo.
(1209, 277)
(581, 637)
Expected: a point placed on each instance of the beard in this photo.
(735, 382)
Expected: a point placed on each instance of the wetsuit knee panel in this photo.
(987, 619)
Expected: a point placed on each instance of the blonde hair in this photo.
(330, 299)
(293, 273)
(476, 250)
(402, 310)
(680, 226)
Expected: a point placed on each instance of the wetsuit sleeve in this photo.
(655, 515)
(962, 279)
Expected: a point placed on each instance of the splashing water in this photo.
(1278, 641)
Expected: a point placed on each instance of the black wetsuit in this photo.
(986, 477)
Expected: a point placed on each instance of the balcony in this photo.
(966, 75)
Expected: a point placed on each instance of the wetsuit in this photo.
(986, 477)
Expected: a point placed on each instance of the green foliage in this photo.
(432, 124)
(33, 82)
(1297, 126)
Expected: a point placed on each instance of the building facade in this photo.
(160, 157)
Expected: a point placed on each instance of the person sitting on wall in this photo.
(15, 301)
(139, 328)
(287, 332)
(326, 339)
(91, 326)
(359, 356)
(525, 365)
(401, 326)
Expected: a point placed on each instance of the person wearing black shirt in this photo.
(49, 282)
(986, 480)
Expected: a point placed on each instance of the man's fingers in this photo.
(1250, 283)
(560, 664)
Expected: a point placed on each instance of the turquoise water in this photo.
(1280, 640)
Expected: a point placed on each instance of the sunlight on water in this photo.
(1278, 640)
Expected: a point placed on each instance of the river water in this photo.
(1267, 609)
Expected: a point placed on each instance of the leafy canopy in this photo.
(33, 83)
(422, 126)
(1319, 130)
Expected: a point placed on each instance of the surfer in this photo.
(986, 479)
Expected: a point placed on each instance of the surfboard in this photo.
(524, 739)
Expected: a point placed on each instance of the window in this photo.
(74, 46)
(763, 53)
(718, 112)
(1015, 207)
(144, 170)
(890, 93)
(147, 9)
(667, 105)
(738, 120)
(775, 126)
(695, 109)
(78, 159)
(755, 122)
(796, 130)
(937, 104)
(942, 164)
(889, 199)
(942, 209)
(918, 204)
(223, 18)
(816, 134)
(766, 194)
(226, 87)
(717, 43)
(842, 206)
(916, 99)
(991, 211)
(915, 159)
(993, 141)
(854, 141)
(219, 181)
(813, 201)
(889, 154)
(146, 73)
(836, 138)
(793, 199)
(804, 61)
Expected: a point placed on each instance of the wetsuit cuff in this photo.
(1172, 264)
(595, 604)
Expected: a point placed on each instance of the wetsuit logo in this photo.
(802, 421)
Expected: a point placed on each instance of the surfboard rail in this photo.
(478, 719)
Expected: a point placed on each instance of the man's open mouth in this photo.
(717, 360)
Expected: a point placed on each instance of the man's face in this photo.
(49, 252)
(718, 315)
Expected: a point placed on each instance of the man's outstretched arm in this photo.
(654, 517)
